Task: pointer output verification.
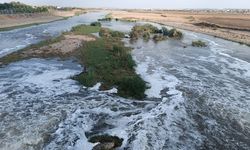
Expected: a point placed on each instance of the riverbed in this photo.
(199, 98)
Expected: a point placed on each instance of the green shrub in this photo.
(88, 79)
(117, 34)
(199, 43)
(96, 24)
(176, 34)
(132, 86)
(165, 31)
(104, 32)
(159, 37)
(145, 32)
(142, 31)
(105, 19)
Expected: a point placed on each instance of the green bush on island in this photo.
(108, 17)
(105, 32)
(132, 86)
(105, 19)
(147, 31)
(108, 61)
(176, 34)
(85, 29)
(165, 31)
(159, 37)
(96, 24)
(199, 43)
(143, 31)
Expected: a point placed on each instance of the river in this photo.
(199, 98)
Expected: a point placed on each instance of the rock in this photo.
(106, 141)
(104, 146)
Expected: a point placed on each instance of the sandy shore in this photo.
(230, 26)
(12, 21)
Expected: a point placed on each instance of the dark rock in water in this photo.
(104, 146)
(106, 141)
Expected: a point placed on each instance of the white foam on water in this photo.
(157, 78)
(96, 87)
(76, 127)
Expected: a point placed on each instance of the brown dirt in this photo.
(66, 47)
(62, 48)
(231, 26)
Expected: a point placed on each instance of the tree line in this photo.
(17, 7)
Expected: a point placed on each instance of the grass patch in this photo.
(85, 29)
(199, 43)
(108, 61)
(105, 32)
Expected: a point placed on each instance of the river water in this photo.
(199, 98)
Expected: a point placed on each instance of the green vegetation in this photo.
(104, 32)
(199, 43)
(96, 24)
(145, 32)
(165, 31)
(17, 7)
(108, 17)
(105, 19)
(85, 29)
(159, 37)
(125, 20)
(176, 34)
(108, 61)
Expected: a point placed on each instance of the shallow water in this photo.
(19, 38)
(199, 99)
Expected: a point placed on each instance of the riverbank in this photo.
(13, 21)
(230, 26)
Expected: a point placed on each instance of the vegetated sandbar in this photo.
(233, 25)
(106, 59)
